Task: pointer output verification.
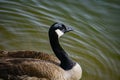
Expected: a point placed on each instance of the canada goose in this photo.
(28, 67)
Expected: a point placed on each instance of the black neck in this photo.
(66, 62)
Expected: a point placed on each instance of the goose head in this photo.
(58, 29)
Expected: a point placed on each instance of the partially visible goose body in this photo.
(32, 65)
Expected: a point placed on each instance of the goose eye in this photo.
(62, 27)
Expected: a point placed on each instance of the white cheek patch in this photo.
(59, 33)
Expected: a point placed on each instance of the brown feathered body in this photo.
(28, 65)
(32, 65)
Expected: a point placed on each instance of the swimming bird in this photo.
(32, 65)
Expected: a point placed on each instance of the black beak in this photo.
(68, 29)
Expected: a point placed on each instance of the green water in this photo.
(94, 43)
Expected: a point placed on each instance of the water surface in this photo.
(94, 43)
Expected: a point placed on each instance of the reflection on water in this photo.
(94, 42)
